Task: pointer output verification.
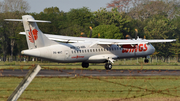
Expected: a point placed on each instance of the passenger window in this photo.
(90, 50)
(82, 51)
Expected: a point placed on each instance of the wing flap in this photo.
(119, 43)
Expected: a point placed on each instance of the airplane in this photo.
(68, 49)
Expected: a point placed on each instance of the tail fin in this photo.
(35, 38)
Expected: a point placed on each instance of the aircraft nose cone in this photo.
(152, 49)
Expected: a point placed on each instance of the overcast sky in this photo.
(65, 5)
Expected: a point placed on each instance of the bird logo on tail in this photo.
(33, 35)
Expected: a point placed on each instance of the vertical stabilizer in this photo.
(35, 38)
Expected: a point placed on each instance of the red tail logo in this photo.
(33, 35)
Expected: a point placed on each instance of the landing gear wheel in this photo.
(146, 60)
(85, 65)
(108, 66)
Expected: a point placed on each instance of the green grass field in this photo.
(120, 64)
(126, 88)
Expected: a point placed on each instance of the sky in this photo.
(66, 5)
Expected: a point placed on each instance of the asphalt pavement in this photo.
(87, 72)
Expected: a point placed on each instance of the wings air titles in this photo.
(136, 48)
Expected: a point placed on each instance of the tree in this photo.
(76, 21)
(113, 17)
(175, 48)
(11, 32)
(15, 5)
(52, 10)
(107, 31)
(12, 9)
(160, 27)
(123, 5)
(149, 8)
(52, 14)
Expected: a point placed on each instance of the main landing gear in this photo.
(146, 60)
(85, 65)
(108, 66)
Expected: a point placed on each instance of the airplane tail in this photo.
(34, 36)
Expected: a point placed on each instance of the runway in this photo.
(86, 72)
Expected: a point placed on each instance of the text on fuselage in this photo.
(140, 48)
(77, 47)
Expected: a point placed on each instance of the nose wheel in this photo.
(146, 60)
(108, 66)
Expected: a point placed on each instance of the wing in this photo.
(100, 41)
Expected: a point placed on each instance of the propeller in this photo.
(136, 33)
(84, 35)
(136, 30)
(128, 37)
(90, 35)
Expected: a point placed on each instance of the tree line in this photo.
(150, 19)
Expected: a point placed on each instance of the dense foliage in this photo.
(154, 19)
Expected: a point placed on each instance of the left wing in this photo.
(100, 41)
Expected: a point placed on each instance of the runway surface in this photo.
(85, 72)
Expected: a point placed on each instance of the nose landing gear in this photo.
(146, 60)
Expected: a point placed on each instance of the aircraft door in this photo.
(67, 55)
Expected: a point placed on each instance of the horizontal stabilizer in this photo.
(22, 33)
(13, 20)
(30, 20)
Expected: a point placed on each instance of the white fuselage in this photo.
(87, 52)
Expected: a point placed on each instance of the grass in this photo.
(148, 88)
(95, 88)
(131, 61)
(120, 64)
